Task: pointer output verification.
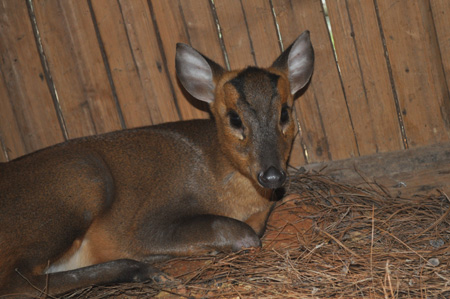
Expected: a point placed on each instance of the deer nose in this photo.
(272, 178)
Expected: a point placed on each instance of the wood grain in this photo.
(413, 50)
(10, 145)
(28, 119)
(441, 12)
(201, 28)
(9, 128)
(365, 77)
(262, 31)
(75, 61)
(414, 171)
(235, 33)
(176, 25)
(137, 68)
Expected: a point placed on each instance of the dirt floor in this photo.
(324, 240)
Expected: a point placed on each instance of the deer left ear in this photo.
(298, 61)
(197, 73)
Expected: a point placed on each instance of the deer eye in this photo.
(235, 120)
(284, 117)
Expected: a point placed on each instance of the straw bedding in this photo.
(324, 240)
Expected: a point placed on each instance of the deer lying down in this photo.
(100, 209)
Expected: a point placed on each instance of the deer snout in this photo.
(272, 178)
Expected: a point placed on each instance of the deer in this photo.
(103, 209)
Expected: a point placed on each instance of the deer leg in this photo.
(117, 271)
(206, 233)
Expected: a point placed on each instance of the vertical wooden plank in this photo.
(11, 143)
(142, 86)
(249, 32)
(327, 132)
(189, 22)
(150, 64)
(235, 33)
(416, 69)
(365, 76)
(28, 120)
(202, 29)
(262, 30)
(441, 12)
(75, 61)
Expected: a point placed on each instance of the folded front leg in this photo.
(204, 233)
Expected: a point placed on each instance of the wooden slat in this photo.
(28, 120)
(75, 61)
(235, 33)
(322, 111)
(10, 142)
(190, 22)
(201, 28)
(262, 30)
(137, 68)
(441, 12)
(407, 172)
(365, 76)
(417, 70)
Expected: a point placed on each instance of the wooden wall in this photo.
(81, 67)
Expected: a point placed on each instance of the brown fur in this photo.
(102, 206)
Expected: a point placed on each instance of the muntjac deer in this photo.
(101, 209)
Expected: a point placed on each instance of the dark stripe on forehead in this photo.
(243, 78)
(274, 81)
(238, 83)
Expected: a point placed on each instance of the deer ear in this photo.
(197, 73)
(297, 61)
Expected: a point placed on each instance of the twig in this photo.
(339, 242)
(43, 292)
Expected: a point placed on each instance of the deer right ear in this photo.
(197, 73)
